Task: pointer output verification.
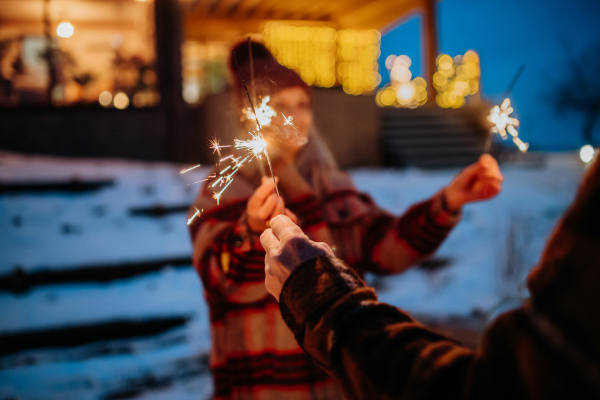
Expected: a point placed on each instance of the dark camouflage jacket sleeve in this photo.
(377, 351)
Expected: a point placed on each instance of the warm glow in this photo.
(323, 56)
(586, 153)
(402, 91)
(406, 92)
(456, 78)
(264, 112)
(105, 98)
(65, 30)
(121, 101)
(504, 123)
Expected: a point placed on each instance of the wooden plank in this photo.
(220, 9)
(376, 14)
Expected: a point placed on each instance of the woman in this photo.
(254, 355)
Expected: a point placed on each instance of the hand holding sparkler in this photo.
(479, 181)
(264, 205)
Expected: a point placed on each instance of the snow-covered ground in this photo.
(488, 255)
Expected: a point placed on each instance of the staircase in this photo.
(432, 137)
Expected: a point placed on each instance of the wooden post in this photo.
(168, 49)
(431, 45)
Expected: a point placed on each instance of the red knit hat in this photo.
(269, 76)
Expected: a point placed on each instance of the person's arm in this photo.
(377, 351)
(391, 245)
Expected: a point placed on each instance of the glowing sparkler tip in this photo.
(264, 113)
(503, 123)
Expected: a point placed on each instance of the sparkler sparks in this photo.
(264, 112)
(289, 121)
(183, 171)
(194, 216)
(504, 124)
(214, 144)
(257, 146)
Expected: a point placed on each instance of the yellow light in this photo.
(456, 78)
(445, 61)
(65, 30)
(586, 154)
(406, 93)
(121, 101)
(105, 98)
(323, 56)
(388, 97)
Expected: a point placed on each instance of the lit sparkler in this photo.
(504, 125)
(255, 147)
(264, 113)
(259, 130)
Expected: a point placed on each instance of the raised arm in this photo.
(391, 245)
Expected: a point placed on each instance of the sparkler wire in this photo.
(237, 67)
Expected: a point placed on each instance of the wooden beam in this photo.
(377, 14)
(266, 8)
(222, 8)
(293, 10)
(202, 8)
(431, 45)
(334, 7)
(244, 8)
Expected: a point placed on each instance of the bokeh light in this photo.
(456, 78)
(121, 101)
(402, 91)
(325, 57)
(505, 125)
(586, 154)
(105, 98)
(65, 30)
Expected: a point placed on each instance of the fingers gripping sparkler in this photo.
(264, 148)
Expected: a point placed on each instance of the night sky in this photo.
(506, 34)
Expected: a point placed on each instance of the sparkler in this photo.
(255, 147)
(504, 125)
(503, 122)
(237, 66)
(264, 113)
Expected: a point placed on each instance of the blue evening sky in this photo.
(541, 34)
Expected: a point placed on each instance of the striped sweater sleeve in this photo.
(391, 245)
(230, 263)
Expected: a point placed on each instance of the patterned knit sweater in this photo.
(254, 354)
